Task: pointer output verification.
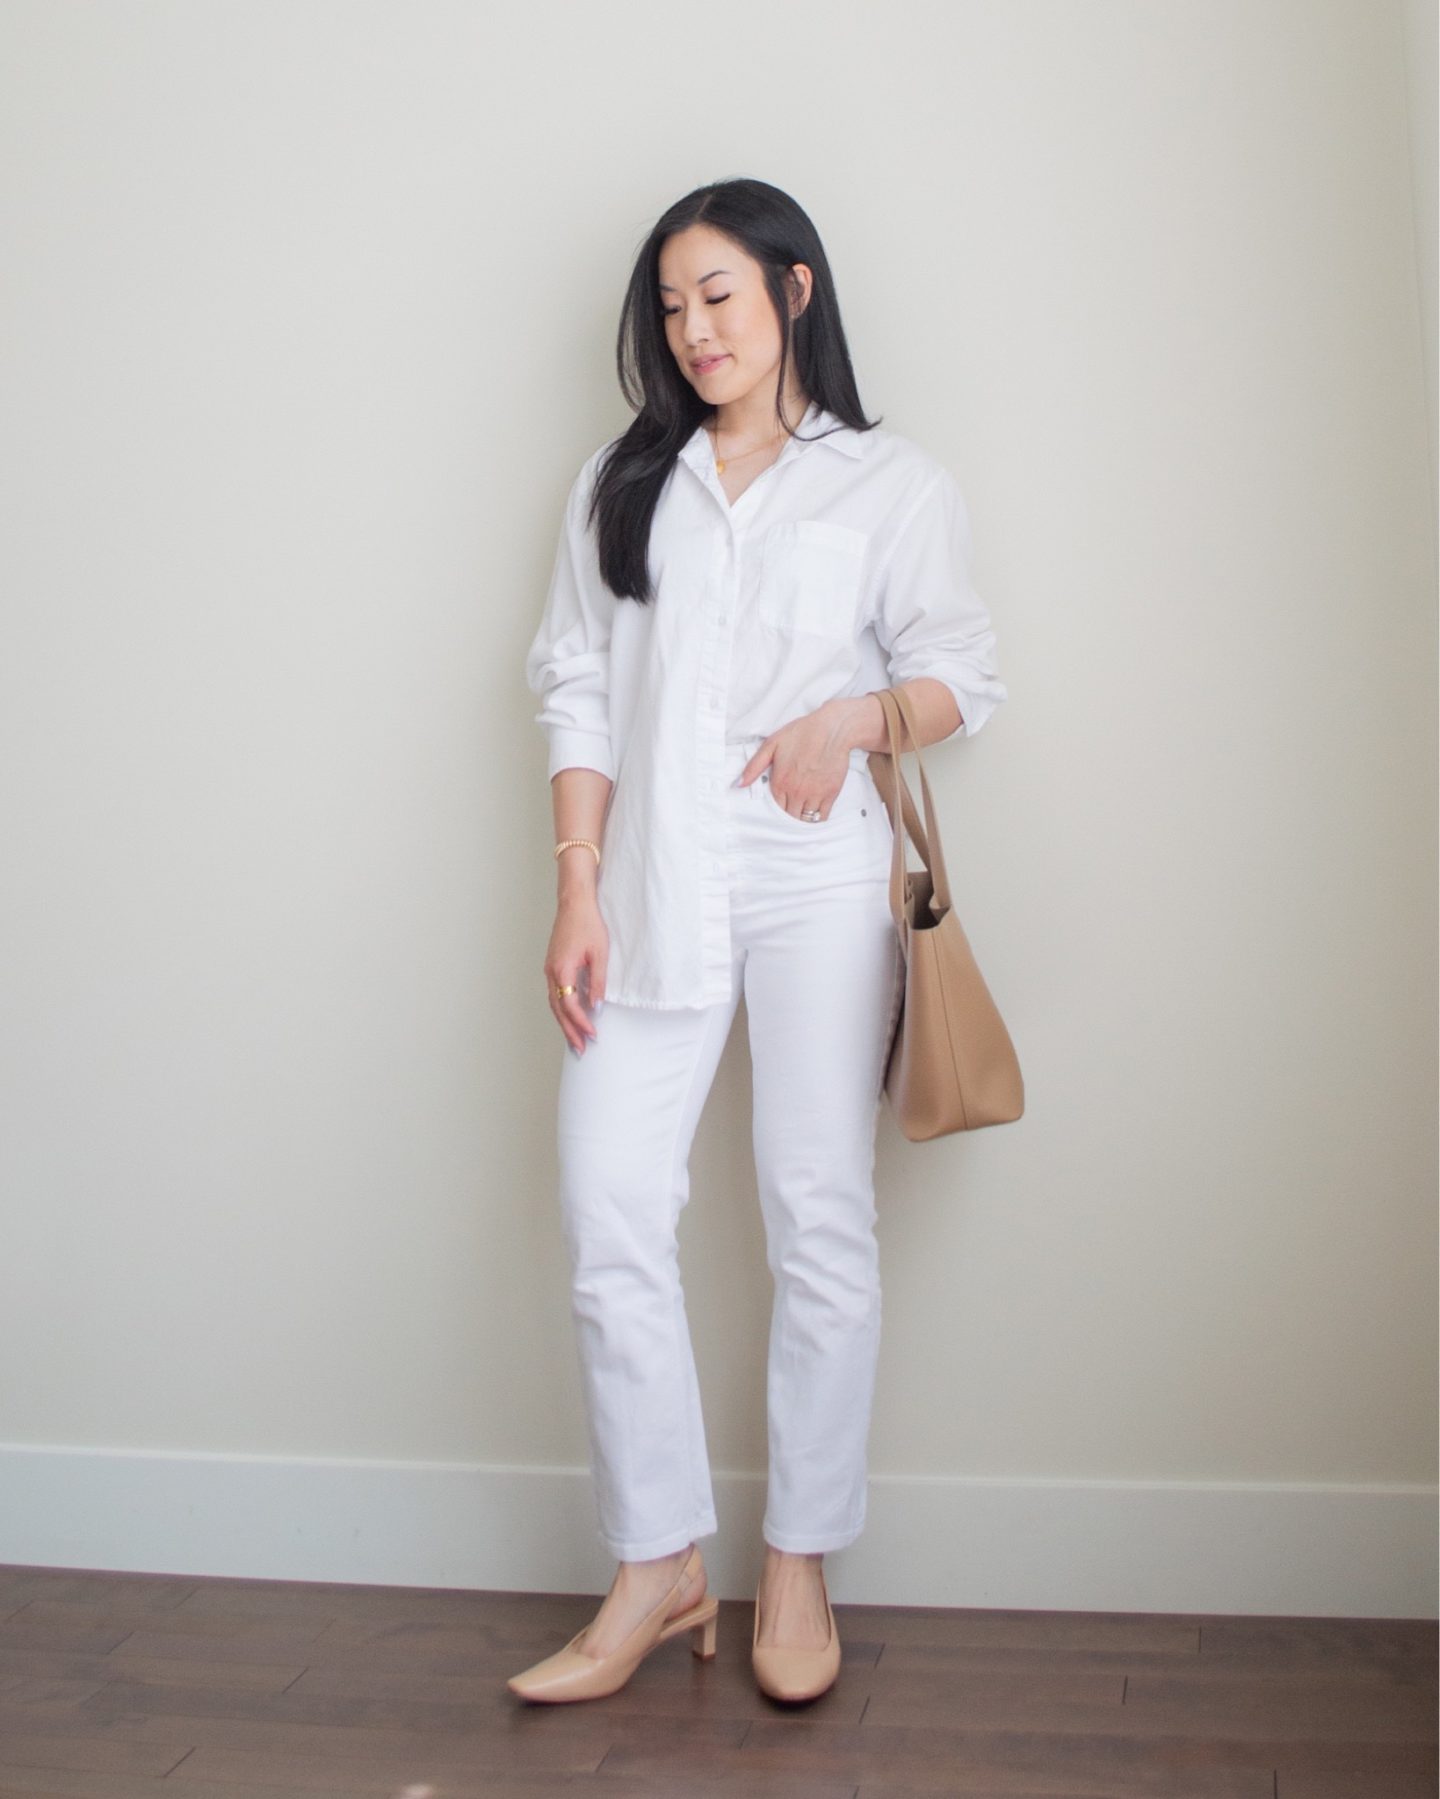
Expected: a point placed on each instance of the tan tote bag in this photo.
(952, 1066)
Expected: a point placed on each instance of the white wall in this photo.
(1421, 19)
(309, 319)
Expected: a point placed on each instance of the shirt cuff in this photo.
(975, 707)
(572, 747)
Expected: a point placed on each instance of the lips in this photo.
(710, 362)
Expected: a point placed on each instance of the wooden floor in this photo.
(119, 1686)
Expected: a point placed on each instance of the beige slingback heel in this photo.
(571, 1674)
(796, 1673)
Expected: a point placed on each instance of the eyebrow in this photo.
(666, 289)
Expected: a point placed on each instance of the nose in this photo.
(695, 326)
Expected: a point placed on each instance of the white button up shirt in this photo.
(843, 567)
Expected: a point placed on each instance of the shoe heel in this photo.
(702, 1637)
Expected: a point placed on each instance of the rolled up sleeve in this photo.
(929, 619)
(567, 666)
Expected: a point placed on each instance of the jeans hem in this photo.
(653, 1547)
(812, 1544)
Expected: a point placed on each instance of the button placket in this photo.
(720, 605)
(718, 609)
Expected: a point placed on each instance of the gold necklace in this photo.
(721, 463)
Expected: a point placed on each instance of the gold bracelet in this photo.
(570, 841)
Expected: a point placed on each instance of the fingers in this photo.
(792, 802)
(761, 759)
(569, 1009)
(578, 1019)
(797, 808)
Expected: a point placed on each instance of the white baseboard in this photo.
(1113, 1546)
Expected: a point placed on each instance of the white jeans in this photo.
(817, 957)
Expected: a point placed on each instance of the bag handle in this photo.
(889, 762)
(900, 722)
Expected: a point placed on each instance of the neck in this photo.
(752, 420)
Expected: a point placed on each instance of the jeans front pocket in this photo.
(847, 804)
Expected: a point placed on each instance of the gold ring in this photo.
(562, 991)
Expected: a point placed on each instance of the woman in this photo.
(738, 573)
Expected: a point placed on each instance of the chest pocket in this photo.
(811, 574)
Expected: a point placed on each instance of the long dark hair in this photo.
(777, 232)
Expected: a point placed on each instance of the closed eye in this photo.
(719, 300)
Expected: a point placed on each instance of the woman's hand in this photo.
(578, 941)
(809, 758)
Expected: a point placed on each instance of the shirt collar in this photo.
(838, 436)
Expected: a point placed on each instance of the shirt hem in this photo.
(661, 1005)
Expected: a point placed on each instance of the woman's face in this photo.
(719, 320)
